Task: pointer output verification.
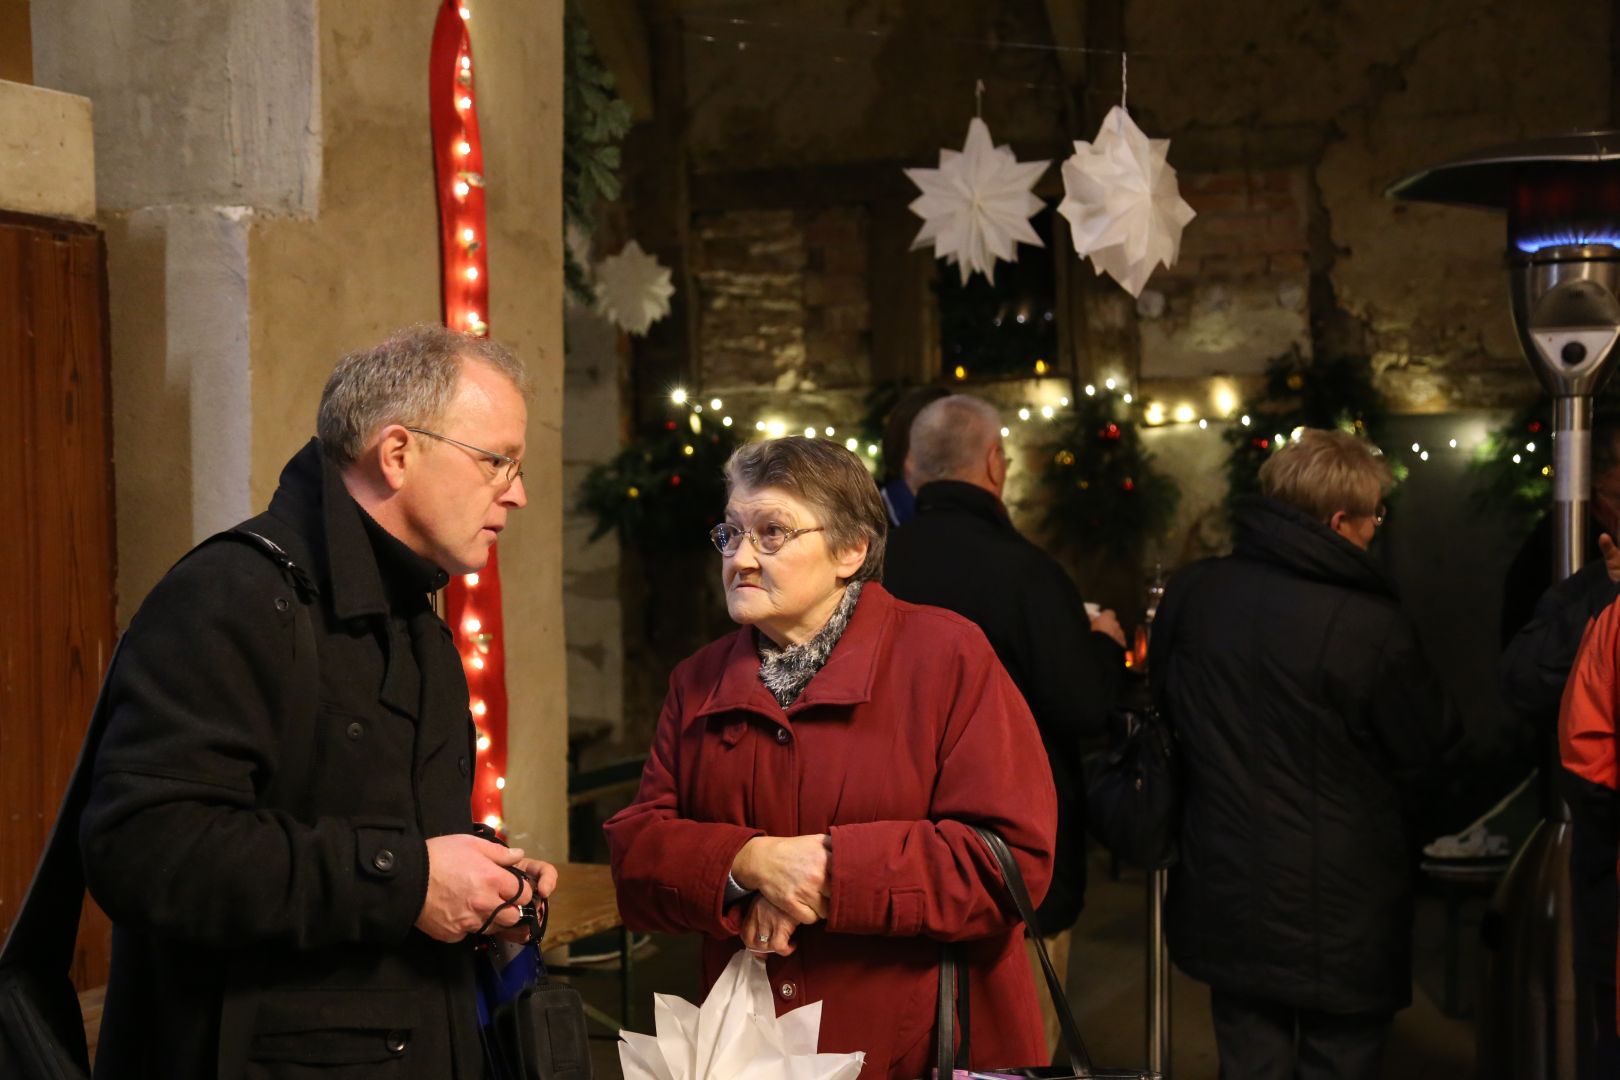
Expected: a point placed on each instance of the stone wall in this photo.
(782, 299)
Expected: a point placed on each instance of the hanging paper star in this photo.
(1122, 203)
(976, 206)
(633, 289)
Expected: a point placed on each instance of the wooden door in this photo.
(56, 538)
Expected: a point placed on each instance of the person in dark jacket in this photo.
(287, 861)
(962, 553)
(899, 499)
(1303, 704)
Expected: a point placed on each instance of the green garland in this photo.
(1104, 494)
(595, 122)
(665, 490)
(1335, 393)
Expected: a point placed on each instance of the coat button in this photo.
(356, 730)
(782, 735)
(396, 1042)
(787, 991)
(383, 860)
(281, 603)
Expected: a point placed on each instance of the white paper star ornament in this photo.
(633, 289)
(1121, 199)
(976, 206)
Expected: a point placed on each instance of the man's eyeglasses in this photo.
(508, 469)
(769, 540)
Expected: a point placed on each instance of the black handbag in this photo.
(1134, 799)
(953, 1002)
(536, 1029)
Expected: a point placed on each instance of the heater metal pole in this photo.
(1572, 482)
(1158, 976)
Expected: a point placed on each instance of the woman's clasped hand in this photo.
(789, 876)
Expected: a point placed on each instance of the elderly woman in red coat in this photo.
(816, 775)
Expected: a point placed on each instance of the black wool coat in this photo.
(264, 865)
(962, 553)
(1303, 704)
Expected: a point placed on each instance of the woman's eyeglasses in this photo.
(768, 541)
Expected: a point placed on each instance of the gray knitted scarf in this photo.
(786, 672)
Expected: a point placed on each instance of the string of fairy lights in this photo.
(1052, 405)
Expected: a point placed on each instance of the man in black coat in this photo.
(284, 847)
(961, 552)
(1303, 704)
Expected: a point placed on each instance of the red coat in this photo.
(911, 732)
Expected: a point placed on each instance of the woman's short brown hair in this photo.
(1322, 472)
(831, 480)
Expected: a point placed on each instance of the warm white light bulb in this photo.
(1046, 411)
(1530, 447)
(1126, 399)
(1245, 420)
(466, 63)
(1202, 424)
(466, 13)
(1108, 383)
(1184, 414)
(1424, 456)
(468, 236)
(851, 444)
(1091, 391)
(473, 626)
(759, 425)
(483, 743)
(464, 102)
(678, 396)
(726, 421)
(1006, 432)
(1416, 448)
(500, 783)
(479, 708)
(471, 580)
(493, 821)
(1063, 401)
(1023, 414)
(461, 189)
(463, 148)
(830, 431)
(478, 663)
(809, 432)
(714, 403)
(871, 449)
(1453, 444)
(472, 273)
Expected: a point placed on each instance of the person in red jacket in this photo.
(816, 776)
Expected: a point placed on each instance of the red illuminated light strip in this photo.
(473, 602)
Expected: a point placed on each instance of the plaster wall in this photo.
(270, 207)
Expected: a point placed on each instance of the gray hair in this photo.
(831, 480)
(408, 379)
(951, 436)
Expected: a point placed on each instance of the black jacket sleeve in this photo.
(1537, 661)
(1075, 678)
(1405, 707)
(176, 841)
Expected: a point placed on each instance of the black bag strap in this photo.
(953, 979)
(42, 936)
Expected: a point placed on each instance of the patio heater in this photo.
(1562, 198)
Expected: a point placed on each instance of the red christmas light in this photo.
(473, 602)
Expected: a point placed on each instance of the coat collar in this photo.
(957, 496)
(349, 564)
(845, 679)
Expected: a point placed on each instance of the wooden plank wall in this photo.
(56, 537)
